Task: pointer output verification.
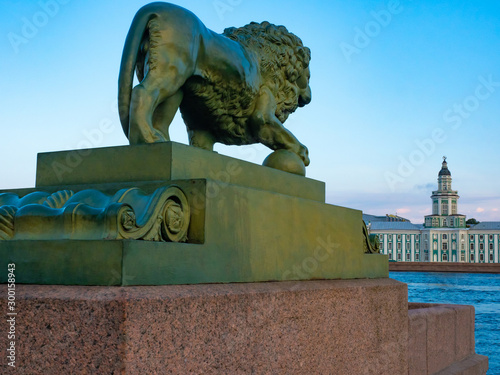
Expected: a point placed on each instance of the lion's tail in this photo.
(129, 61)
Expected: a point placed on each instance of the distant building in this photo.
(444, 236)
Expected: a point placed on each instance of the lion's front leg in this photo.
(269, 129)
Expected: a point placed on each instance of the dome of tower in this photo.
(444, 169)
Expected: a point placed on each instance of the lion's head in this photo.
(283, 60)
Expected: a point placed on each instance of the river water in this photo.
(480, 290)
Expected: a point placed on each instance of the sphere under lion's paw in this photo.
(287, 161)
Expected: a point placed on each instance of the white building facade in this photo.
(444, 236)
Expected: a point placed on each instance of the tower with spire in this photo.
(444, 236)
(444, 203)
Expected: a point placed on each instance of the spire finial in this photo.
(444, 159)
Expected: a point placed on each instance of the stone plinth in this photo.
(441, 341)
(314, 327)
(242, 235)
(246, 223)
(164, 162)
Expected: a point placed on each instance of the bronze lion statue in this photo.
(236, 88)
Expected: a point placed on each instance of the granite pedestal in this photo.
(247, 223)
(310, 327)
(275, 281)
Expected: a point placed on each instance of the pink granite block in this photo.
(474, 364)
(464, 332)
(417, 343)
(62, 330)
(447, 331)
(315, 327)
(473, 330)
(421, 305)
(262, 329)
(440, 338)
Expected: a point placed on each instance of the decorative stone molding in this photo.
(92, 215)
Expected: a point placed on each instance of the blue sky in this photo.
(396, 85)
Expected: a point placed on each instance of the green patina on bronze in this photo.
(236, 88)
(150, 263)
(237, 233)
(163, 213)
(63, 262)
(165, 161)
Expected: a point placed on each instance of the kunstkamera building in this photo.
(444, 236)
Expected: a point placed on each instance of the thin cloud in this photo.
(426, 187)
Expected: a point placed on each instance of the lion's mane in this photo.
(282, 59)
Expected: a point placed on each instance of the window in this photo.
(407, 245)
(399, 245)
(472, 237)
(399, 237)
(490, 237)
(426, 256)
(445, 236)
(462, 257)
(481, 237)
(416, 246)
(445, 246)
(417, 257)
(463, 246)
(444, 208)
(445, 257)
(491, 257)
(390, 256)
(407, 257)
(472, 258)
(381, 237)
(399, 256)
(481, 257)
(481, 246)
(472, 246)
(389, 245)
(491, 246)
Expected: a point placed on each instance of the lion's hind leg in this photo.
(154, 103)
(165, 113)
(144, 98)
(155, 100)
